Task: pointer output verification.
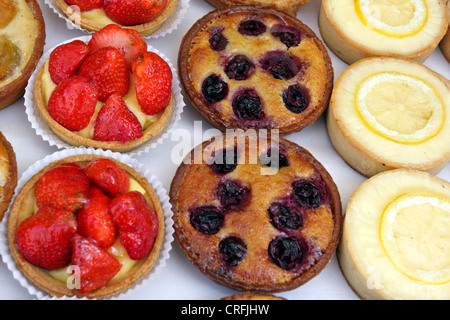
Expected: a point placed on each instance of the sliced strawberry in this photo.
(115, 122)
(85, 5)
(153, 82)
(107, 68)
(73, 102)
(128, 41)
(133, 12)
(97, 266)
(66, 59)
(65, 186)
(107, 174)
(44, 239)
(136, 222)
(94, 221)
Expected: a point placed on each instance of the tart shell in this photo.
(11, 182)
(444, 45)
(252, 296)
(290, 7)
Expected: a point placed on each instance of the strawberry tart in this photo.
(144, 16)
(76, 239)
(8, 174)
(110, 93)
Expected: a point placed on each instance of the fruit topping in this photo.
(232, 194)
(73, 102)
(96, 266)
(217, 40)
(115, 122)
(224, 161)
(66, 59)
(65, 186)
(280, 64)
(275, 158)
(239, 67)
(44, 239)
(251, 27)
(10, 57)
(296, 98)
(94, 221)
(108, 175)
(85, 5)
(136, 222)
(7, 12)
(309, 193)
(289, 35)
(214, 89)
(285, 215)
(133, 12)
(207, 219)
(232, 250)
(153, 82)
(107, 68)
(247, 104)
(287, 252)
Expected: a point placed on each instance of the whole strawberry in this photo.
(66, 59)
(107, 68)
(115, 122)
(73, 102)
(94, 221)
(133, 12)
(108, 175)
(96, 266)
(136, 222)
(44, 239)
(85, 5)
(65, 186)
(153, 82)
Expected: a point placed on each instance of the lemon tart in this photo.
(22, 40)
(358, 29)
(445, 42)
(388, 113)
(395, 241)
(8, 174)
(291, 7)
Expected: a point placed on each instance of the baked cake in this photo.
(8, 174)
(255, 214)
(249, 67)
(289, 6)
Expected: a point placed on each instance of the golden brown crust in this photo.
(289, 6)
(445, 42)
(7, 191)
(252, 296)
(23, 206)
(318, 77)
(256, 273)
(13, 91)
(145, 29)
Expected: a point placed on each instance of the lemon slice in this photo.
(399, 18)
(415, 235)
(399, 107)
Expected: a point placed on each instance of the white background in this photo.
(180, 279)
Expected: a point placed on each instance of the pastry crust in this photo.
(445, 42)
(23, 206)
(7, 160)
(144, 29)
(289, 6)
(16, 89)
(252, 296)
(194, 185)
(197, 61)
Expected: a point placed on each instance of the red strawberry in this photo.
(94, 221)
(85, 5)
(73, 102)
(115, 122)
(133, 12)
(97, 266)
(107, 68)
(107, 174)
(128, 41)
(136, 222)
(66, 59)
(65, 186)
(44, 239)
(153, 82)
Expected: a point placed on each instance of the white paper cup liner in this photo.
(32, 289)
(43, 129)
(167, 27)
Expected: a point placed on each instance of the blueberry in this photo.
(307, 193)
(217, 41)
(214, 89)
(224, 161)
(232, 194)
(232, 250)
(279, 162)
(207, 219)
(239, 67)
(287, 252)
(284, 215)
(289, 35)
(296, 98)
(247, 105)
(280, 64)
(251, 27)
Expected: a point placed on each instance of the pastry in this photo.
(445, 42)
(249, 67)
(255, 214)
(251, 296)
(125, 92)
(388, 113)
(395, 237)
(8, 174)
(95, 15)
(22, 40)
(289, 6)
(358, 29)
(84, 227)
